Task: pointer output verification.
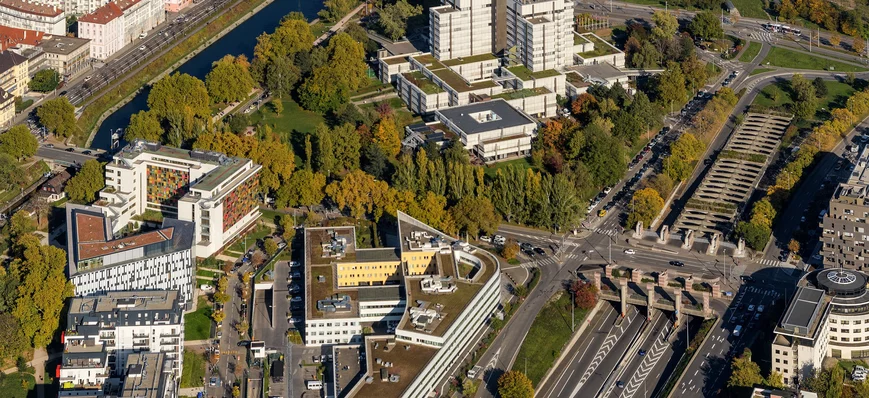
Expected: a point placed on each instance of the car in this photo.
(143, 48)
(606, 191)
(294, 264)
(526, 246)
(740, 306)
(601, 213)
(244, 343)
(757, 316)
(87, 152)
(760, 308)
(88, 78)
(295, 319)
(70, 149)
(816, 257)
(539, 251)
(219, 334)
(297, 275)
(620, 384)
(499, 240)
(747, 278)
(528, 253)
(486, 239)
(63, 92)
(751, 308)
(213, 382)
(642, 353)
(49, 145)
(677, 263)
(143, 35)
(803, 219)
(737, 331)
(630, 251)
(296, 299)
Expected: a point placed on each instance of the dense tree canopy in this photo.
(144, 125)
(645, 206)
(745, 373)
(332, 83)
(230, 79)
(333, 10)
(179, 92)
(58, 116)
(515, 384)
(706, 25)
(45, 80)
(393, 18)
(87, 181)
(18, 142)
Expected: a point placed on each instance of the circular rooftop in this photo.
(842, 282)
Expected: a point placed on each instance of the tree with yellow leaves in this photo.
(386, 136)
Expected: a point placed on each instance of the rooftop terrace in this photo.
(421, 81)
(523, 93)
(470, 60)
(524, 74)
(407, 361)
(601, 47)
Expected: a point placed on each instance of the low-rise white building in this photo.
(493, 130)
(433, 84)
(216, 192)
(596, 51)
(537, 102)
(100, 262)
(105, 28)
(580, 78)
(125, 324)
(25, 14)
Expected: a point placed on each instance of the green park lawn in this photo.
(786, 58)
(750, 52)
(17, 385)
(750, 8)
(524, 163)
(546, 338)
(194, 370)
(198, 323)
(292, 119)
(776, 96)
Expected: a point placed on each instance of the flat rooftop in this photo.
(147, 375)
(469, 60)
(63, 45)
(485, 116)
(601, 46)
(522, 93)
(407, 361)
(603, 70)
(524, 74)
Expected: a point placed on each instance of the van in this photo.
(737, 331)
(143, 35)
(314, 384)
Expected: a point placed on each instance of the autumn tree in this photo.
(474, 215)
(835, 40)
(859, 45)
(804, 97)
(386, 136)
(645, 206)
(745, 373)
(515, 384)
(179, 93)
(837, 379)
(144, 125)
(670, 85)
(218, 316)
(230, 79)
(357, 192)
(706, 25)
(87, 181)
(58, 116)
(42, 289)
(393, 18)
(331, 84)
(775, 380)
(304, 188)
(334, 10)
(242, 327)
(665, 24)
(510, 249)
(18, 142)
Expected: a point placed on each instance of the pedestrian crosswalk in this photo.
(762, 36)
(607, 232)
(773, 263)
(763, 291)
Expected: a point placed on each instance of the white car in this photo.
(630, 251)
(606, 191)
(760, 308)
(485, 238)
(143, 48)
(294, 264)
(751, 308)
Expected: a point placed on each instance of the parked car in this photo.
(751, 308)
(296, 299)
(630, 251)
(737, 331)
(760, 308)
(642, 353)
(485, 238)
(70, 149)
(294, 264)
(539, 251)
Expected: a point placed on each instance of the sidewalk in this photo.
(338, 26)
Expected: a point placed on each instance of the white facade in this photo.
(598, 51)
(538, 105)
(461, 28)
(24, 14)
(391, 67)
(140, 16)
(217, 193)
(494, 130)
(128, 323)
(421, 100)
(105, 28)
(541, 32)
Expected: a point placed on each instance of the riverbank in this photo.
(112, 99)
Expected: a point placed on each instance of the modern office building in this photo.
(102, 262)
(69, 56)
(105, 28)
(124, 324)
(845, 227)
(493, 130)
(13, 73)
(540, 33)
(216, 192)
(461, 28)
(449, 290)
(828, 316)
(32, 15)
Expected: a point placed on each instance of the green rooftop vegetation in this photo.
(425, 84)
(470, 60)
(523, 73)
(395, 60)
(523, 93)
(429, 61)
(575, 79)
(751, 157)
(456, 82)
(579, 39)
(601, 48)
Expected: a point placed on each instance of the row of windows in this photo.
(329, 324)
(783, 371)
(847, 339)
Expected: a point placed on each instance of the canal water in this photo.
(240, 40)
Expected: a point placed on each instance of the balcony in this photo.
(140, 344)
(170, 334)
(141, 336)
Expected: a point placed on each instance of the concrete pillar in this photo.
(689, 239)
(638, 231)
(636, 276)
(665, 234)
(713, 244)
(740, 248)
(716, 289)
(662, 279)
(650, 296)
(608, 270)
(597, 280)
(707, 309)
(689, 283)
(677, 296)
(624, 297)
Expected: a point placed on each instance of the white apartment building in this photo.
(493, 130)
(216, 192)
(140, 16)
(828, 316)
(435, 85)
(461, 28)
(26, 14)
(541, 31)
(149, 375)
(75, 7)
(591, 49)
(124, 324)
(99, 262)
(105, 28)
(83, 369)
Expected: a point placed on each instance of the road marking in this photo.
(647, 364)
(602, 352)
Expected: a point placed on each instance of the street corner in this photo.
(516, 274)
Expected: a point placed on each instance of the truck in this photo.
(278, 371)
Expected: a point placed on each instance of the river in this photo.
(240, 40)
